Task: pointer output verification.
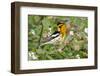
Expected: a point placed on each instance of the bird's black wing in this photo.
(52, 36)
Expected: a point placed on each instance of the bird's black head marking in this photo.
(59, 23)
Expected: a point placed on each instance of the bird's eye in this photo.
(59, 26)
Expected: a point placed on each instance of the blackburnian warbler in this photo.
(58, 35)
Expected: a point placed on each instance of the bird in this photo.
(57, 36)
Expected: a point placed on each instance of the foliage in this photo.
(76, 43)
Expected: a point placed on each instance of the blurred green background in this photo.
(41, 26)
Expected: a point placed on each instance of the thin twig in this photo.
(40, 35)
